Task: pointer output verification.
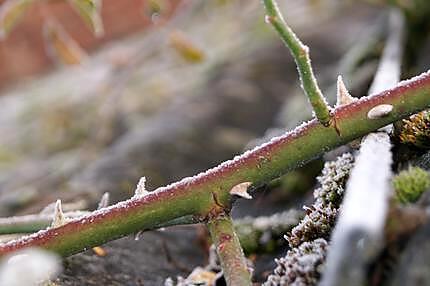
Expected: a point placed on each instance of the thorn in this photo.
(269, 19)
(343, 95)
(241, 190)
(140, 188)
(59, 218)
(104, 201)
(138, 235)
(379, 111)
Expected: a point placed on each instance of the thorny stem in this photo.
(300, 52)
(230, 253)
(207, 194)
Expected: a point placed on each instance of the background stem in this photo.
(230, 253)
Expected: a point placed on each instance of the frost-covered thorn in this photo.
(241, 190)
(379, 111)
(343, 95)
(59, 218)
(104, 201)
(140, 188)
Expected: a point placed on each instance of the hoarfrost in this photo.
(301, 266)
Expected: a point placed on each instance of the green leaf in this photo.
(89, 10)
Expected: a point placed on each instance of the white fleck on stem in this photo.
(380, 111)
(59, 218)
(241, 190)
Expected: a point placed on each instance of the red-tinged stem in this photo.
(207, 194)
(230, 253)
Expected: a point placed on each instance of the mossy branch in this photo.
(208, 193)
(230, 253)
(300, 52)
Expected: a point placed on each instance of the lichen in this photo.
(416, 130)
(301, 266)
(410, 184)
(321, 216)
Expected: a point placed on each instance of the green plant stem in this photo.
(300, 53)
(230, 253)
(208, 193)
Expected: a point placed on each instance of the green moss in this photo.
(410, 184)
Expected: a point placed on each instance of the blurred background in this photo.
(96, 94)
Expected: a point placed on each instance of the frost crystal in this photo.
(301, 266)
(321, 217)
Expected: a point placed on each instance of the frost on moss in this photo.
(301, 266)
(416, 130)
(410, 184)
(320, 217)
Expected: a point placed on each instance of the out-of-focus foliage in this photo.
(60, 46)
(185, 47)
(10, 13)
(89, 10)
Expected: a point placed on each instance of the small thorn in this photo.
(241, 190)
(138, 235)
(379, 111)
(269, 19)
(140, 188)
(343, 95)
(104, 201)
(59, 218)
